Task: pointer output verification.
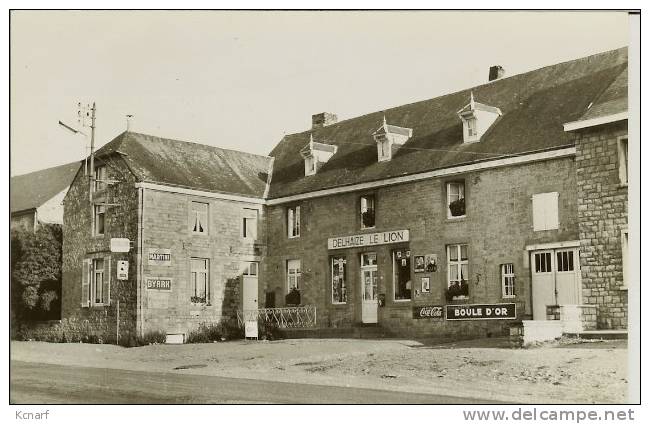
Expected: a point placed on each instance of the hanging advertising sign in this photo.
(481, 312)
(373, 239)
(122, 270)
(160, 257)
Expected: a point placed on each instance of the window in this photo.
(293, 221)
(250, 268)
(508, 280)
(455, 199)
(383, 148)
(100, 178)
(564, 261)
(457, 272)
(99, 218)
(545, 212)
(310, 165)
(199, 218)
(249, 224)
(293, 274)
(368, 211)
(543, 262)
(622, 160)
(471, 127)
(339, 289)
(97, 282)
(625, 259)
(402, 274)
(200, 280)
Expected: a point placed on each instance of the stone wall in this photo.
(602, 215)
(79, 244)
(497, 228)
(166, 226)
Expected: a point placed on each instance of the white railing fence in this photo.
(290, 317)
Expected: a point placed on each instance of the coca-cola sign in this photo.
(421, 312)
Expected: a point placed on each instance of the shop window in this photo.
(293, 221)
(200, 280)
(456, 199)
(199, 218)
(565, 261)
(100, 178)
(249, 224)
(293, 274)
(457, 272)
(545, 211)
(368, 211)
(508, 280)
(402, 274)
(339, 287)
(99, 220)
(622, 160)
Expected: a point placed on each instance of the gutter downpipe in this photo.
(139, 263)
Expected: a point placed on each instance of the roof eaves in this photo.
(586, 123)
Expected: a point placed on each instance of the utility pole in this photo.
(92, 152)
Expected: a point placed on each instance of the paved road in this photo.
(56, 384)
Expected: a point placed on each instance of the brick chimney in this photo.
(324, 119)
(496, 72)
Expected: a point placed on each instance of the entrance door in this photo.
(250, 293)
(556, 279)
(369, 302)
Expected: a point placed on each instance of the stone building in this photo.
(454, 216)
(37, 197)
(192, 216)
(460, 214)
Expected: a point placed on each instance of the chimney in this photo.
(128, 122)
(324, 119)
(496, 72)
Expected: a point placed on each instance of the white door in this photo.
(556, 279)
(543, 282)
(567, 277)
(369, 302)
(250, 293)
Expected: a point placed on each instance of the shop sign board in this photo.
(122, 270)
(157, 283)
(481, 311)
(422, 312)
(371, 239)
(120, 245)
(160, 257)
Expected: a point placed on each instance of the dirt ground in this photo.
(562, 372)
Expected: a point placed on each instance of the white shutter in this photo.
(545, 211)
(106, 290)
(85, 273)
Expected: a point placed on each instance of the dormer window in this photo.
(477, 118)
(316, 155)
(390, 138)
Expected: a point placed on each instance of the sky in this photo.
(241, 80)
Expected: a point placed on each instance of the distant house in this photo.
(37, 197)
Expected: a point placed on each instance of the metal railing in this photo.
(289, 317)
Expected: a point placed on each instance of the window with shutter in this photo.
(545, 211)
(85, 286)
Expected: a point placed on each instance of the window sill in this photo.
(192, 233)
(623, 288)
(456, 218)
(401, 301)
(293, 237)
(339, 303)
(622, 185)
(98, 236)
(509, 297)
(368, 228)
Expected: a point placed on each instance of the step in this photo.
(600, 334)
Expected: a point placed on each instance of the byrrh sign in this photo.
(372, 239)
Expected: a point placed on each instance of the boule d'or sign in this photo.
(481, 311)
(368, 239)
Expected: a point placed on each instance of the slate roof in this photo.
(191, 165)
(29, 191)
(612, 101)
(535, 105)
